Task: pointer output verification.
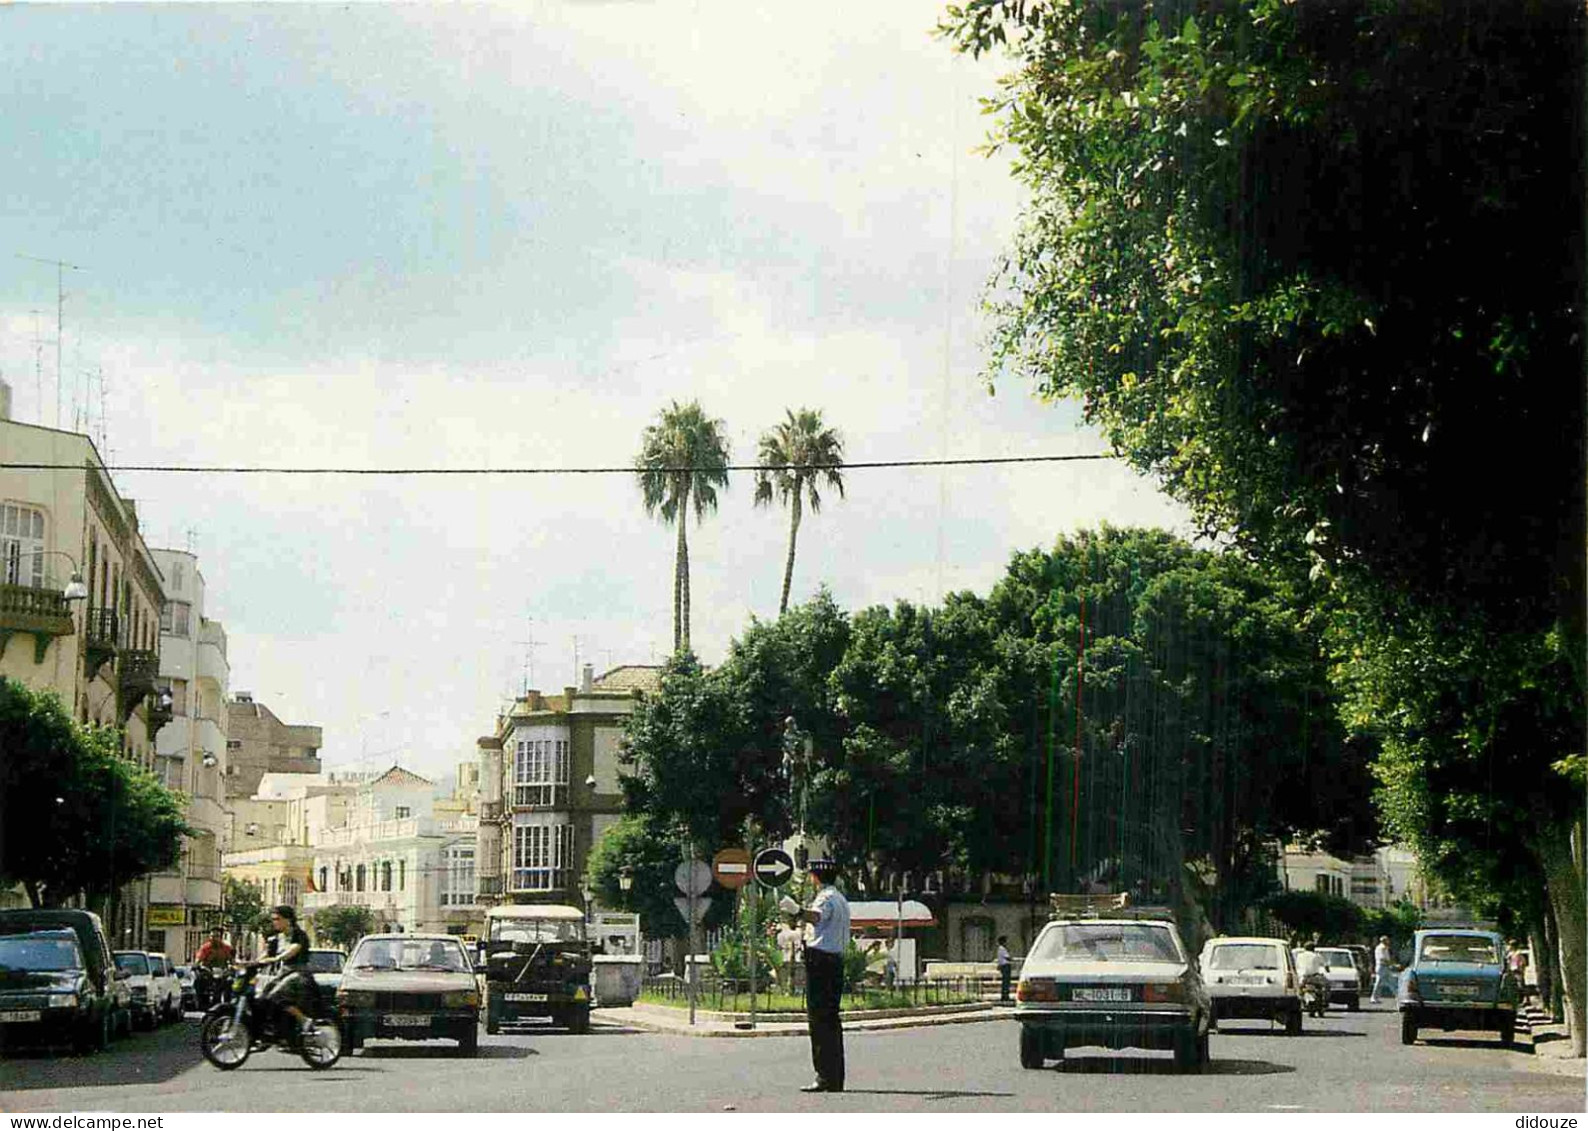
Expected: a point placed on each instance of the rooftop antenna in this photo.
(38, 365)
(529, 647)
(61, 267)
(576, 659)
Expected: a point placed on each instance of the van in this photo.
(100, 965)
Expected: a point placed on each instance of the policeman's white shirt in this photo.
(831, 931)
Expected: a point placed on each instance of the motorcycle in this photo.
(1315, 995)
(233, 1031)
(211, 986)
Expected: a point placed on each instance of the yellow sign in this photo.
(166, 915)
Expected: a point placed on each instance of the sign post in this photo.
(693, 877)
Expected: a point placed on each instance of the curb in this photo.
(635, 1020)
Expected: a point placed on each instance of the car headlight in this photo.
(139, 992)
(63, 1001)
(461, 999)
(356, 998)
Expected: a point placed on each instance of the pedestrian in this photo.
(1383, 967)
(1005, 968)
(826, 936)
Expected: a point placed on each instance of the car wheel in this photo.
(1408, 1029)
(492, 1025)
(1293, 1022)
(1031, 1048)
(1185, 1051)
(469, 1042)
(1204, 1053)
(1354, 1003)
(1508, 1032)
(579, 1020)
(94, 1036)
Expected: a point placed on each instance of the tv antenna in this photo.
(61, 267)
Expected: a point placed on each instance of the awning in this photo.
(872, 914)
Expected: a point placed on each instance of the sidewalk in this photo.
(664, 1019)
(1548, 1048)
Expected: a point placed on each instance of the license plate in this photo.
(1100, 993)
(1459, 991)
(527, 997)
(1244, 980)
(21, 1015)
(406, 1020)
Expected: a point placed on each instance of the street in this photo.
(1346, 1062)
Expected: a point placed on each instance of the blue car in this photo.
(1457, 980)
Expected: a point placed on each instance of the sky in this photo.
(508, 237)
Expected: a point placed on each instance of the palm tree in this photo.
(795, 458)
(683, 459)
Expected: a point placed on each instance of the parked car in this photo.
(1119, 982)
(538, 960)
(98, 963)
(1457, 980)
(46, 993)
(326, 966)
(165, 987)
(184, 975)
(1345, 983)
(412, 987)
(1252, 978)
(150, 992)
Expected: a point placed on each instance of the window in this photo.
(404, 812)
(181, 618)
(177, 581)
(359, 883)
(402, 874)
(323, 877)
(542, 856)
(457, 881)
(170, 771)
(540, 769)
(21, 546)
(385, 875)
(179, 698)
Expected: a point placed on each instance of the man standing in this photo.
(1382, 968)
(826, 935)
(1005, 968)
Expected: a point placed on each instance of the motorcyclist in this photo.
(1310, 969)
(295, 989)
(211, 965)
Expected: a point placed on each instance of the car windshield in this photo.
(1244, 956)
(1337, 959)
(410, 954)
(22, 952)
(326, 961)
(1107, 942)
(535, 930)
(1458, 948)
(132, 963)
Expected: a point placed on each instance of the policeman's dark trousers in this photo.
(824, 987)
(1004, 973)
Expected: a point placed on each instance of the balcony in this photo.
(44, 613)
(139, 669)
(375, 900)
(165, 888)
(203, 893)
(101, 636)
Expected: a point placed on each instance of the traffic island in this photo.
(714, 1023)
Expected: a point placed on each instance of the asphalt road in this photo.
(1346, 1062)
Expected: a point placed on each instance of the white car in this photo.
(1252, 978)
(1345, 985)
(155, 989)
(1116, 982)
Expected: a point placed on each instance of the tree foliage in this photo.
(76, 817)
(243, 908)
(342, 924)
(1318, 268)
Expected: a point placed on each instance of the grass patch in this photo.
(792, 1003)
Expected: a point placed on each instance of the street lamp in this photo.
(76, 588)
(589, 901)
(209, 761)
(626, 879)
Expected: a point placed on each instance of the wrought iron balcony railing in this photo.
(101, 637)
(43, 612)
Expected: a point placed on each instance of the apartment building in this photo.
(258, 743)
(549, 785)
(190, 756)
(80, 602)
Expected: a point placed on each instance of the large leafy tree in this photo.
(342, 925)
(243, 908)
(795, 459)
(1318, 268)
(76, 818)
(683, 460)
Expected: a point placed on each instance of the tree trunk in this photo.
(680, 582)
(793, 536)
(1553, 1004)
(1560, 848)
(32, 888)
(1543, 967)
(685, 594)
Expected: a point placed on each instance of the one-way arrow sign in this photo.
(773, 867)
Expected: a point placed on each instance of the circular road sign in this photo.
(693, 877)
(773, 867)
(731, 867)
